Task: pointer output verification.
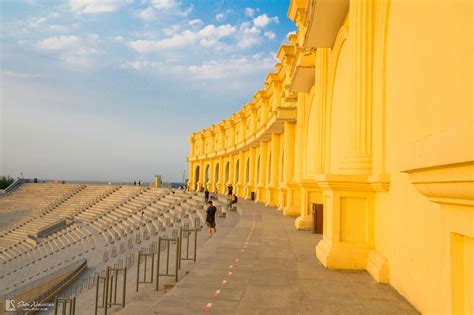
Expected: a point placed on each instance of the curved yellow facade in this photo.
(369, 113)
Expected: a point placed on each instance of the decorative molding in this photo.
(380, 182)
(377, 266)
(446, 184)
(343, 182)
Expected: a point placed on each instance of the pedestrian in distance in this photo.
(206, 195)
(211, 218)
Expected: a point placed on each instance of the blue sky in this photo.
(111, 89)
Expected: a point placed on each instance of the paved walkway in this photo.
(262, 265)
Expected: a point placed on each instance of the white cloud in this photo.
(217, 32)
(72, 49)
(19, 75)
(247, 42)
(172, 30)
(263, 20)
(269, 35)
(207, 36)
(147, 14)
(195, 22)
(58, 28)
(59, 42)
(179, 40)
(248, 36)
(232, 68)
(249, 12)
(95, 6)
(36, 22)
(220, 17)
(118, 39)
(236, 68)
(164, 4)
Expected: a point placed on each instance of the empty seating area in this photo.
(64, 208)
(102, 221)
(34, 197)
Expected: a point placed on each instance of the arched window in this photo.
(196, 174)
(227, 170)
(216, 173)
(237, 170)
(207, 174)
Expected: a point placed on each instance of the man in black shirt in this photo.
(211, 218)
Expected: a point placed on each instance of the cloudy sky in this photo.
(111, 89)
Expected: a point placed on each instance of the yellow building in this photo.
(370, 113)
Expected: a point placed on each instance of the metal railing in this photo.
(44, 279)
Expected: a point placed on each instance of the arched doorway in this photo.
(206, 174)
(196, 175)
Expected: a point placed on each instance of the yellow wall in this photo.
(370, 113)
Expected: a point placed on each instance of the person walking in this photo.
(211, 218)
(206, 195)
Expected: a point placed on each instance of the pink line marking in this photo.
(207, 308)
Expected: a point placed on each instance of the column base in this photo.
(377, 266)
(345, 256)
(304, 223)
(271, 197)
(261, 194)
(281, 199)
(291, 211)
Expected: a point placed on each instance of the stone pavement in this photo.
(262, 265)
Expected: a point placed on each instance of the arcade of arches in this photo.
(369, 112)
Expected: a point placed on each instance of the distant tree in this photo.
(5, 181)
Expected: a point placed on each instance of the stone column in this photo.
(241, 181)
(221, 175)
(212, 183)
(272, 192)
(361, 28)
(262, 173)
(252, 177)
(191, 177)
(291, 207)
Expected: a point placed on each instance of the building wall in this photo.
(370, 113)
